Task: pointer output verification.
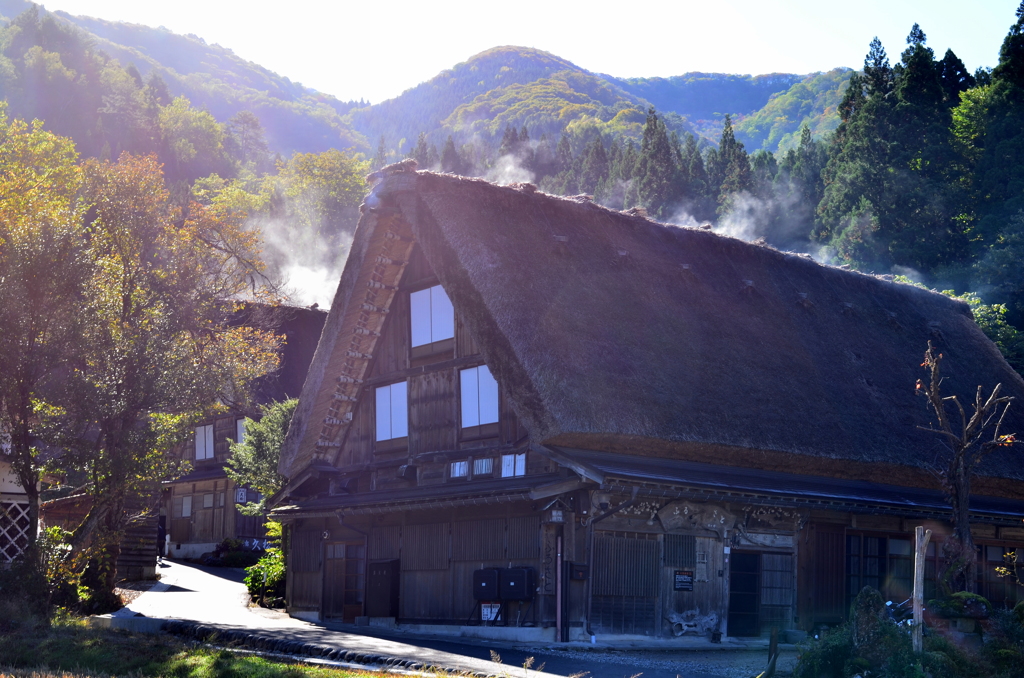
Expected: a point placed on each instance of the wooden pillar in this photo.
(921, 550)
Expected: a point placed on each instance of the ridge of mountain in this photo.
(506, 85)
(294, 117)
(424, 107)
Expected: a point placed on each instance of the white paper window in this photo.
(483, 467)
(479, 397)
(513, 465)
(220, 500)
(186, 506)
(208, 500)
(204, 442)
(431, 315)
(392, 411)
(460, 469)
(240, 430)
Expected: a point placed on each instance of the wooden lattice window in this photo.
(14, 528)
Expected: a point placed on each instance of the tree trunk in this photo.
(961, 560)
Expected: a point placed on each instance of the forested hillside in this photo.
(912, 167)
(211, 77)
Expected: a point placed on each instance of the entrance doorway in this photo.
(760, 593)
(344, 580)
(744, 594)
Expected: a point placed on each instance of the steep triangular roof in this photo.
(609, 331)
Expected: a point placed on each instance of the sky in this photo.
(374, 50)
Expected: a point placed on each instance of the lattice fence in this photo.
(14, 527)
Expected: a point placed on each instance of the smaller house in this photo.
(14, 521)
(199, 510)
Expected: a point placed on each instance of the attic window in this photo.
(432, 318)
(479, 397)
(392, 411)
(204, 442)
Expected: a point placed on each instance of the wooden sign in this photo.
(682, 580)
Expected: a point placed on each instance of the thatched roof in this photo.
(611, 332)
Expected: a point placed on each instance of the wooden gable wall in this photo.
(433, 397)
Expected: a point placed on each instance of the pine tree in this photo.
(509, 141)
(656, 186)
(732, 167)
(381, 157)
(420, 152)
(595, 166)
(954, 77)
(450, 161)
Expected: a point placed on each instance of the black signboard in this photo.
(683, 580)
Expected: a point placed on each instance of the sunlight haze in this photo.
(375, 51)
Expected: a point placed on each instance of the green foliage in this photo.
(253, 462)
(812, 103)
(73, 647)
(962, 604)
(991, 318)
(266, 579)
(828, 656)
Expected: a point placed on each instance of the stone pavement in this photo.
(200, 602)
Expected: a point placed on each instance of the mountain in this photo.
(813, 102)
(704, 96)
(294, 117)
(425, 107)
(472, 101)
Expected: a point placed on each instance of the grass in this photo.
(70, 649)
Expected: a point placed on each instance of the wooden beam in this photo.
(564, 459)
(559, 487)
(920, 551)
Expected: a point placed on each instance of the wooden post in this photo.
(920, 551)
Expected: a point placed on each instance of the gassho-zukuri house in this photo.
(532, 415)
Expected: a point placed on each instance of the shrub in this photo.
(240, 558)
(1005, 646)
(828, 656)
(266, 579)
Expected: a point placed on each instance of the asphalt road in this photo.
(217, 597)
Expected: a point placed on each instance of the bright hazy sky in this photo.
(376, 49)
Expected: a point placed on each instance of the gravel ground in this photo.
(725, 663)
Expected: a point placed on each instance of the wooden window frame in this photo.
(209, 446)
(394, 442)
(440, 339)
(515, 457)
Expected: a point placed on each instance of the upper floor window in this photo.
(204, 442)
(432, 317)
(513, 465)
(239, 431)
(479, 397)
(392, 411)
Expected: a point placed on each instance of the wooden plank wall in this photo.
(708, 595)
(439, 552)
(821, 564)
(305, 574)
(432, 412)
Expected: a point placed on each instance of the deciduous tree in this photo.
(967, 438)
(158, 345)
(43, 265)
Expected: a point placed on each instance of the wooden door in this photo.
(625, 586)
(344, 580)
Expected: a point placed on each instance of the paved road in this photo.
(217, 597)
